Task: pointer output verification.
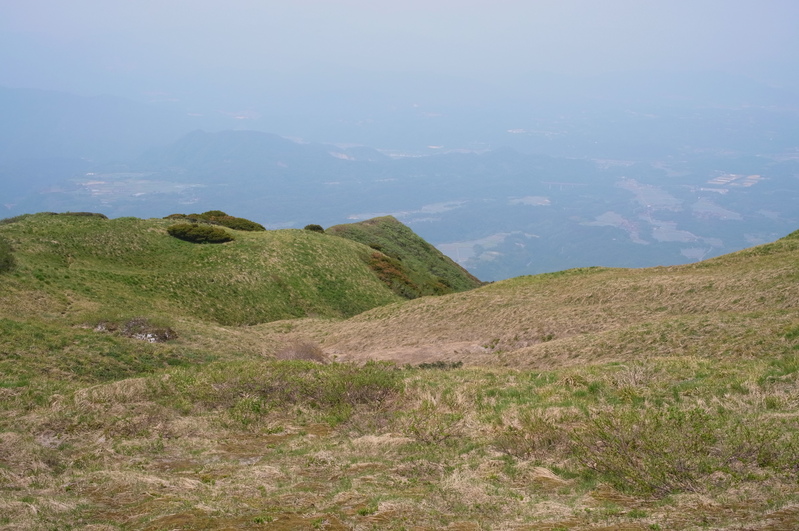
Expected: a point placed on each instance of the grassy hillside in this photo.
(407, 263)
(594, 314)
(652, 399)
(129, 266)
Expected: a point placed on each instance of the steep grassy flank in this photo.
(88, 266)
(738, 304)
(404, 261)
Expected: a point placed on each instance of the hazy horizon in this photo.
(249, 61)
(572, 133)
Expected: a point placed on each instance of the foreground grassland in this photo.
(665, 444)
(664, 398)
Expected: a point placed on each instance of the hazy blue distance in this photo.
(296, 68)
(685, 91)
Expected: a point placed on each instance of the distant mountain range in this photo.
(610, 184)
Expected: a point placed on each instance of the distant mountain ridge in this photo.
(610, 181)
(210, 152)
(42, 124)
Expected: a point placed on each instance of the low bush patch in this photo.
(217, 217)
(199, 233)
(251, 391)
(391, 272)
(662, 451)
(302, 350)
(7, 261)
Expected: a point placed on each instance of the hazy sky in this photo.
(99, 45)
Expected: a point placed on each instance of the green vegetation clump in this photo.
(314, 227)
(85, 214)
(669, 450)
(195, 233)
(254, 391)
(217, 217)
(6, 256)
(441, 364)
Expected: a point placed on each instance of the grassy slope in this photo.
(663, 398)
(131, 266)
(74, 272)
(717, 307)
(426, 270)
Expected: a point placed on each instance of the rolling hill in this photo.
(133, 264)
(594, 398)
(595, 314)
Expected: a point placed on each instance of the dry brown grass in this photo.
(302, 350)
(110, 455)
(581, 317)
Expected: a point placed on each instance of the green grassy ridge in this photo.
(410, 265)
(133, 264)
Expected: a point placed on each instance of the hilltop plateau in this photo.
(354, 378)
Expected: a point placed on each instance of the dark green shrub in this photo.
(6, 256)
(241, 224)
(199, 233)
(314, 227)
(440, 364)
(86, 214)
(217, 217)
